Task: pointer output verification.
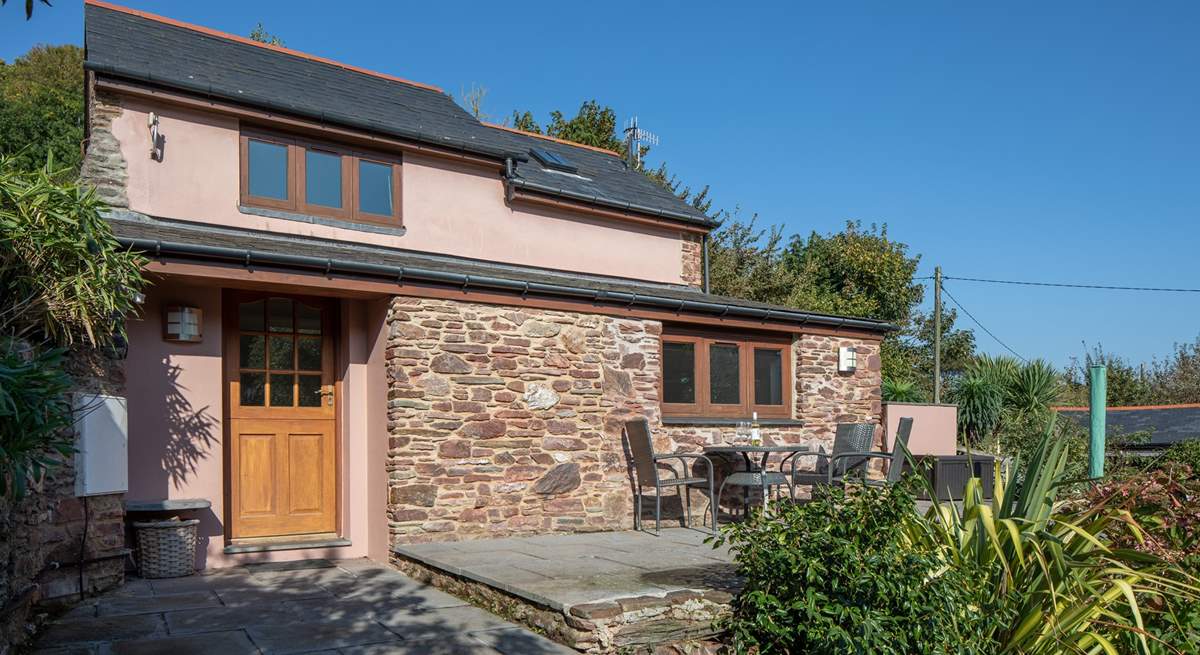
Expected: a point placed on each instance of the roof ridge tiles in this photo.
(547, 137)
(258, 44)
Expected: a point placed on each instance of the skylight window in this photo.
(553, 160)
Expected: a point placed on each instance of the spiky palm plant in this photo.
(980, 400)
(1033, 388)
(1051, 567)
(902, 391)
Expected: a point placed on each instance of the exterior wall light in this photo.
(847, 360)
(183, 324)
(156, 139)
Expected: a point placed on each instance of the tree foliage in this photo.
(1173, 380)
(859, 271)
(856, 272)
(28, 6)
(63, 276)
(593, 125)
(260, 34)
(41, 109)
(64, 282)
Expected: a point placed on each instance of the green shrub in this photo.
(1168, 500)
(1184, 453)
(902, 391)
(34, 414)
(839, 575)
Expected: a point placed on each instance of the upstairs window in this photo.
(320, 179)
(725, 375)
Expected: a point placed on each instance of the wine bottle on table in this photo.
(755, 432)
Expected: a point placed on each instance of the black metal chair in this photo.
(858, 474)
(849, 438)
(648, 474)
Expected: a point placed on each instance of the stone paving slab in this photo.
(156, 604)
(233, 642)
(471, 647)
(415, 624)
(561, 570)
(518, 641)
(306, 637)
(87, 630)
(227, 618)
(356, 607)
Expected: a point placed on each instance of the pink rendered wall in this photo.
(448, 208)
(176, 430)
(934, 430)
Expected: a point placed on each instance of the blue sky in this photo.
(1028, 141)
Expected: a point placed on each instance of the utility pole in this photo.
(937, 334)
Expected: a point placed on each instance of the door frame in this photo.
(230, 298)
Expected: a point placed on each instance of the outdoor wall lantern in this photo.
(156, 139)
(847, 359)
(183, 324)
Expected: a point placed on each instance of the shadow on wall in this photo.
(176, 441)
(189, 431)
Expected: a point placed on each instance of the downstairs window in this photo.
(725, 375)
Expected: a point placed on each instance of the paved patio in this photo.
(560, 571)
(356, 607)
(598, 592)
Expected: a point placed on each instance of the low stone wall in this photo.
(507, 421)
(47, 534)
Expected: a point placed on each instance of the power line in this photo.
(981, 327)
(1070, 286)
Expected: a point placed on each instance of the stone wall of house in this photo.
(693, 259)
(508, 421)
(42, 536)
(103, 164)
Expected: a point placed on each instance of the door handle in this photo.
(327, 392)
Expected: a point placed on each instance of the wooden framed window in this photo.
(319, 179)
(725, 375)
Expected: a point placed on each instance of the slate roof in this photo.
(1167, 424)
(133, 228)
(136, 46)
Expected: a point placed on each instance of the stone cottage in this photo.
(377, 320)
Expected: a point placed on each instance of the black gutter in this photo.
(398, 274)
(340, 119)
(617, 204)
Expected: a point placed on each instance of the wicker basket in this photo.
(166, 549)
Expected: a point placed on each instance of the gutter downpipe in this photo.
(157, 249)
(704, 262)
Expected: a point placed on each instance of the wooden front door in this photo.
(282, 404)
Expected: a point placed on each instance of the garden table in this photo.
(755, 474)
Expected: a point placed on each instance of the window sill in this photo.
(701, 420)
(321, 220)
